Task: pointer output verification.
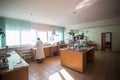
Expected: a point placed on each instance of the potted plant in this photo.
(72, 33)
(80, 36)
(2, 33)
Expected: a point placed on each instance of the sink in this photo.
(4, 60)
(4, 55)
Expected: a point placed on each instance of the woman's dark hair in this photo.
(74, 37)
(38, 38)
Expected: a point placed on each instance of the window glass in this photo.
(53, 38)
(56, 38)
(15, 37)
(50, 37)
(25, 37)
(42, 35)
(12, 37)
(60, 36)
(33, 36)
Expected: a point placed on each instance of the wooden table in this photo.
(77, 59)
(17, 70)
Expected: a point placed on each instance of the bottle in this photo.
(68, 47)
(77, 47)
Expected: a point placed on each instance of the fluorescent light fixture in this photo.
(85, 3)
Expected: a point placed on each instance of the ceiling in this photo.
(59, 12)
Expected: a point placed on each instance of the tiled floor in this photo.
(105, 67)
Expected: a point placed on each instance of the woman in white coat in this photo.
(39, 51)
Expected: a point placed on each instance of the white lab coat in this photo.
(39, 50)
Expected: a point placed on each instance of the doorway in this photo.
(106, 41)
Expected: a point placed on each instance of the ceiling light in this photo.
(85, 3)
(53, 20)
(31, 13)
(74, 12)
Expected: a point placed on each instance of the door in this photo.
(106, 41)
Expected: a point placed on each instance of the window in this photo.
(12, 37)
(42, 35)
(33, 35)
(25, 37)
(53, 38)
(56, 38)
(15, 37)
(50, 37)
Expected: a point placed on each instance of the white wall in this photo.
(96, 28)
(95, 24)
(94, 34)
(42, 27)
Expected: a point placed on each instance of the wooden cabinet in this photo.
(63, 46)
(93, 45)
(54, 49)
(47, 51)
(18, 74)
(90, 55)
(77, 60)
(34, 53)
(17, 70)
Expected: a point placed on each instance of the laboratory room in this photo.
(59, 40)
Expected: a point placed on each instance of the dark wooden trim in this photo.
(103, 41)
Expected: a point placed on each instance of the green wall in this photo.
(12, 24)
(61, 31)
